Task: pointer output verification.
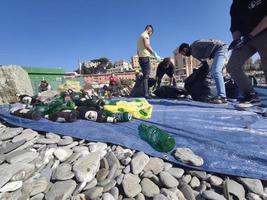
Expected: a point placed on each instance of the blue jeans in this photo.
(219, 60)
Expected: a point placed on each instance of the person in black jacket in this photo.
(165, 67)
(249, 32)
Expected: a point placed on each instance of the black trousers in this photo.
(145, 66)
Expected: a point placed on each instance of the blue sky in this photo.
(57, 33)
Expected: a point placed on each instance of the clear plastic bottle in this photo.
(158, 139)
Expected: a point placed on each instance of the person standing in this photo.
(145, 52)
(210, 49)
(249, 32)
(165, 67)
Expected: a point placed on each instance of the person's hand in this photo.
(243, 41)
(156, 55)
(233, 44)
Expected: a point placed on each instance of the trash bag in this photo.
(171, 92)
(198, 83)
(137, 90)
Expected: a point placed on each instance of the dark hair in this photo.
(182, 46)
(149, 26)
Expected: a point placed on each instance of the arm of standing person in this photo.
(260, 27)
(147, 44)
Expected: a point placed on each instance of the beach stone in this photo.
(168, 180)
(99, 146)
(73, 144)
(252, 196)
(169, 194)
(86, 167)
(253, 185)
(65, 140)
(22, 172)
(149, 189)
(194, 182)
(63, 154)
(90, 184)
(130, 185)
(187, 178)
(10, 133)
(63, 172)
(47, 171)
(61, 190)
(176, 172)
(38, 197)
(126, 161)
(114, 192)
(167, 166)
(147, 174)
(5, 174)
(160, 197)
(187, 192)
(102, 174)
(112, 159)
(127, 169)
(27, 134)
(81, 149)
(11, 186)
(8, 147)
(211, 195)
(22, 156)
(2, 158)
(93, 193)
(215, 180)
(119, 179)
(187, 156)
(139, 162)
(40, 185)
(50, 138)
(140, 196)
(110, 185)
(178, 193)
(107, 196)
(156, 165)
(112, 172)
(27, 145)
(199, 174)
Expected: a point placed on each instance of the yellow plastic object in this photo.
(139, 108)
(70, 84)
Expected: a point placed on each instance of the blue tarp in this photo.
(230, 141)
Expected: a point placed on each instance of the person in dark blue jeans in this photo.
(145, 52)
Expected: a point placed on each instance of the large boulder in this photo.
(13, 80)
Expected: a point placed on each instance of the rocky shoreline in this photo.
(47, 166)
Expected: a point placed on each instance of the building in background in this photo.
(135, 62)
(184, 65)
(120, 66)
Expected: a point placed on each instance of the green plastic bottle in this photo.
(158, 139)
(120, 116)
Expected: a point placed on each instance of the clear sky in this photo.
(57, 33)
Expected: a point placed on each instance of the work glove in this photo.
(242, 41)
(233, 44)
(156, 55)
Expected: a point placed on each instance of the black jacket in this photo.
(246, 15)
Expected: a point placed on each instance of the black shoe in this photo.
(251, 99)
(219, 100)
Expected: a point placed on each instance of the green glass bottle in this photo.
(158, 139)
(120, 116)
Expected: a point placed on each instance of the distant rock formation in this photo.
(13, 80)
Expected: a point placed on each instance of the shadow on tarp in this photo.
(230, 141)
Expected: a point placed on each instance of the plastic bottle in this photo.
(27, 113)
(120, 116)
(92, 114)
(158, 139)
(66, 115)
